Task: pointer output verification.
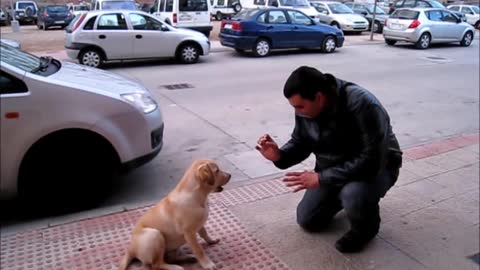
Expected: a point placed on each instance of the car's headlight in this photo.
(143, 101)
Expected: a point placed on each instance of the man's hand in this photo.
(302, 180)
(268, 148)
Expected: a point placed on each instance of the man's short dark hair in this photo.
(307, 82)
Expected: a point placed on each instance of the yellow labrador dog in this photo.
(176, 220)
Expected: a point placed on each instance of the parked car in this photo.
(54, 16)
(146, 7)
(367, 11)
(425, 26)
(263, 30)
(224, 8)
(94, 38)
(26, 12)
(301, 5)
(421, 4)
(188, 14)
(79, 9)
(339, 15)
(67, 129)
(3, 17)
(472, 13)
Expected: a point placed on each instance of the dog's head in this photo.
(209, 174)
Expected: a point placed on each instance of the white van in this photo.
(192, 14)
(302, 5)
(113, 4)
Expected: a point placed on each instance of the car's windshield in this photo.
(476, 10)
(109, 5)
(57, 9)
(294, 3)
(193, 5)
(436, 4)
(18, 58)
(338, 8)
(378, 10)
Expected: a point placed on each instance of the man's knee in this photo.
(313, 220)
(356, 196)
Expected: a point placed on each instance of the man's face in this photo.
(308, 108)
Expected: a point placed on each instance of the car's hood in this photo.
(350, 17)
(190, 32)
(92, 79)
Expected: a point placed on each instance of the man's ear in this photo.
(204, 174)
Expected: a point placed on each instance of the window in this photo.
(273, 3)
(221, 2)
(261, 18)
(449, 17)
(398, 4)
(141, 22)
(294, 3)
(298, 18)
(423, 4)
(169, 6)
(456, 8)
(90, 24)
(435, 15)
(114, 5)
(277, 17)
(112, 22)
(11, 85)
(339, 8)
(405, 14)
(321, 9)
(409, 3)
(193, 5)
(19, 59)
(259, 2)
(467, 10)
(359, 9)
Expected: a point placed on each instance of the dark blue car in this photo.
(262, 30)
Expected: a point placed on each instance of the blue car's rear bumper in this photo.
(237, 42)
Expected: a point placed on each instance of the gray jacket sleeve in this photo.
(295, 150)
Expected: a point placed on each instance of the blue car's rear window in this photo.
(245, 14)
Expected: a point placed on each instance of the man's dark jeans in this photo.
(360, 200)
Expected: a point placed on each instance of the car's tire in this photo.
(206, 33)
(390, 42)
(91, 57)
(237, 7)
(218, 16)
(329, 44)
(477, 25)
(423, 42)
(336, 25)
(261, 48)
(64, 171)
(188, 53)
(377, 27)
(467, 39)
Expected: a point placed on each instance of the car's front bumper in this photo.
(237, 42)
(351, 27)
(72, 53)
(409, 35)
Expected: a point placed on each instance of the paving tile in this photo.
(458, 182)
(406, 177)
(450, 160)
(429, 191)
(423, 168)
(399, 202)
(469, 154)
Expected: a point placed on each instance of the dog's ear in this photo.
(204, 174)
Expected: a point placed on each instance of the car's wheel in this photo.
(64, 171)
(477, 25)
(237, 7)
(261, 48)
(329, 44)
(390, 42)
(91, 57)
(377, 27)
(423, 42)
(467, 39)
(335, 24)
(218, 16)
(188, 53)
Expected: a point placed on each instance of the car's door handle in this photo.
(138, 36)
(270, 27)
(102, 37)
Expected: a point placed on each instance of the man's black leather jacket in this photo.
(352, 140)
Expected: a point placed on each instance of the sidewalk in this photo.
(430, 220)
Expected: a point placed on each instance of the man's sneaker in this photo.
(354, 241)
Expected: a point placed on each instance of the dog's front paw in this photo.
(213, 241)
(208, 265)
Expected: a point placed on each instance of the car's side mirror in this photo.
(164, 28)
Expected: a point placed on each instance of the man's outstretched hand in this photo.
(268, 148)
(301, 180)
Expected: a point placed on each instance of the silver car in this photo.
(98, 36)
(341, 16)
(423, 26)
